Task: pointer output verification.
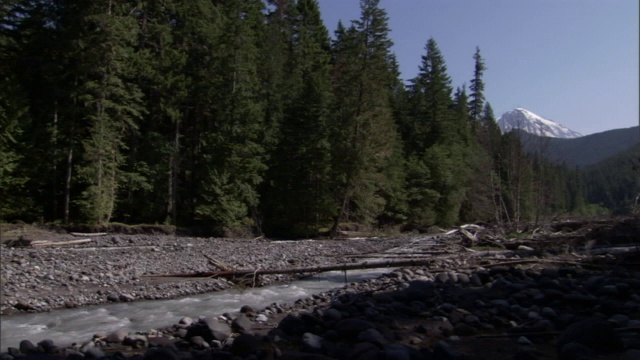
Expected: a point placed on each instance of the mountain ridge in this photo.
(528, 121)
(582, 151)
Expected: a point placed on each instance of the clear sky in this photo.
(572, 61)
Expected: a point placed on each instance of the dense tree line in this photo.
(245, 114)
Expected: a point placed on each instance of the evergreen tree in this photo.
(365, 137)
(439, 138)
(476, 105)
(150, 191)
(111, 102)
(231, 158)
(298, 199)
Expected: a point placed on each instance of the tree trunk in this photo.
(67, 185)
(313, 269)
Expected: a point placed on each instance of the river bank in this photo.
(112, 268)
(549, 302)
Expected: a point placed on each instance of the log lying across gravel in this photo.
(313, 269)
(59, 243)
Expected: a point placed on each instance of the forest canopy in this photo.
(246, 115)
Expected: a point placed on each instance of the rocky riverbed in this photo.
(113, 268)
(465, 304)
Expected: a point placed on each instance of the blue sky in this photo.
(572, 61)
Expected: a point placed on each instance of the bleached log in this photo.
(312, 269)
(469, 236)
(88, 234)
(58, 243)
(218, 263)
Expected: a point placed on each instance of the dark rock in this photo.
(136, 341)
(444, 351)
(72, 354)
(373, 336)
(209, 329)
(94, 353)
(26, 347)
(199, 343)
(163, 353)
(311, 342)
(117, 336)
(160, 341)
(292, 325)
(245, 345)
(332, 314)
(126, 297)
(24, 306)
(524, 355)
(48, 346)
(632, 354)
(595, 333)
(365, 351)
(242, 324)
(298, 355)
(185, 322)
(463, 329)
(619, 320)
(350, 328)
(576, 351)
(248, 310)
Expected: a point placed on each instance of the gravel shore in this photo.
(524, 304)
(112, 268)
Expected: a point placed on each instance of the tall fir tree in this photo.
(111, 102)
(298, 200)
(477, 98)
(231, 155)
(153, 166)
(438, 138)
(365, 137)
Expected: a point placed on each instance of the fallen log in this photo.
(313, 269)
(88, 234)
(218, 263)
(58, 243)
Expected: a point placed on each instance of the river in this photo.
(66, 326)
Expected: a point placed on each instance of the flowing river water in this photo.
(66, 326)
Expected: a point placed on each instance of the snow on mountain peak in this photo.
(526, 120)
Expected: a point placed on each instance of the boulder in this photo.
(595, 333)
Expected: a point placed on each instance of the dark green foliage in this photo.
(364, 136)
(298, 199)
(476, 105)
(615, 182)
(239, 116)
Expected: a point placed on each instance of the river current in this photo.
(66, 326)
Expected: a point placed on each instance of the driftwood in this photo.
(313, 269)
(58, 243)
(408, 254)
(88, 234)
(218, 263)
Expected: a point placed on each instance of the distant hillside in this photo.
(615, 183)
(585, 150)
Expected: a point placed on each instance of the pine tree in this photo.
(111, 103)
(438, 137)
(231, 158)
(476, 104)
(365, 137)
(298, 199)
(153, 168)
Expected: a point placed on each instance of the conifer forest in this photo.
(251, 116)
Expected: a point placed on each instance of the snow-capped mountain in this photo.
(525, 120)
